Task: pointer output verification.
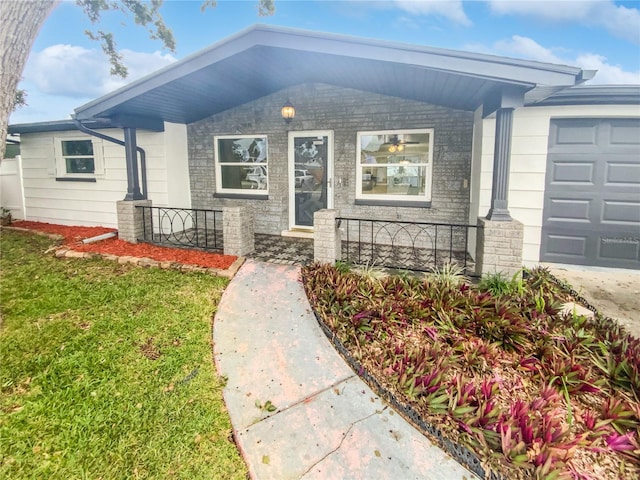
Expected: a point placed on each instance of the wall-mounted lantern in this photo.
(288, 112)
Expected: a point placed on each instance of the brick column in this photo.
(499, 246)
(327, 245)
(130, 220)
(238, 231)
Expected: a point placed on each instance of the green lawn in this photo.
(106, 370)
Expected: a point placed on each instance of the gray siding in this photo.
(345, 111)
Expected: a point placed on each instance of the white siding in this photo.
(177, 171)
(529, 162)
(94, 203)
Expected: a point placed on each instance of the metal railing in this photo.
(417, 246)
(182, 227)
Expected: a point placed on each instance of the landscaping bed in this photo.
(531, 392)
(73, 236)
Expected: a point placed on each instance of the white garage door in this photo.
(592, 196)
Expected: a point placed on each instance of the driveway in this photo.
(614, 292)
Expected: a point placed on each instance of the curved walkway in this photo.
(327, 422)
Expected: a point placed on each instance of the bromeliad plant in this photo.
(534, 393)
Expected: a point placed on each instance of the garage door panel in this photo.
(625, 132)
(592, 196)
(575, 132)
(573, 172)
(622, 174)
(621, 212)
(574, 210)
(569, 245)
(582, 247)
(619, 248)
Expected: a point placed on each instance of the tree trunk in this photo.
(20, 22)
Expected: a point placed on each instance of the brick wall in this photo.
(345, 111)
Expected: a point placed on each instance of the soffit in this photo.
(264, 60)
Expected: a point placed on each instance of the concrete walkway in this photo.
(327, 422)
(614, 292)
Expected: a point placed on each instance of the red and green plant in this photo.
(534, 393)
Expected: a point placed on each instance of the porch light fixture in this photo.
(288, 112)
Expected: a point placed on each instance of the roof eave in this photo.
(501, 70)
(595, 95)
(54, 126)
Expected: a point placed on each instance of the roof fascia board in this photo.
(53, 126)
(491, 67)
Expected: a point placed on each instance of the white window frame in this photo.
(61, 163)
(389, 197)
(218, 167)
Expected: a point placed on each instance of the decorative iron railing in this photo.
(182, 227)
(417, 246)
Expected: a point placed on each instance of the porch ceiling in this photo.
(263, 60)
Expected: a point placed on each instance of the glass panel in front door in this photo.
(310, 177)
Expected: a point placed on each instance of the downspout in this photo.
(143, 155)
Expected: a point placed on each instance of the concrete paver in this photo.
(328, 423)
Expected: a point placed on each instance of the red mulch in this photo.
(114, 246)
(70, 234)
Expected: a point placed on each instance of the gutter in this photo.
(97, 238)
(143, 155)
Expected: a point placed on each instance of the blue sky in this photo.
(66, 69)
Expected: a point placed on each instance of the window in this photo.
(77, 158)
(394, 166)
(241, 165)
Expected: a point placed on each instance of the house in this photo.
(381, 130)
(71, 177)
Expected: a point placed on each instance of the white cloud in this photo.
(450, 9)
(622, 22)
(527, 48)
(43, 107)
(562, 10)
(73, 71)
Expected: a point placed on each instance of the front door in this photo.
(310, 176)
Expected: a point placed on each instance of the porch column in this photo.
(501, 158)
(238, 234)
(499, 247)
(133, 223)
(131, 153)
(327, 244)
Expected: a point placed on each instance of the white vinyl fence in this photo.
(11, 188)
